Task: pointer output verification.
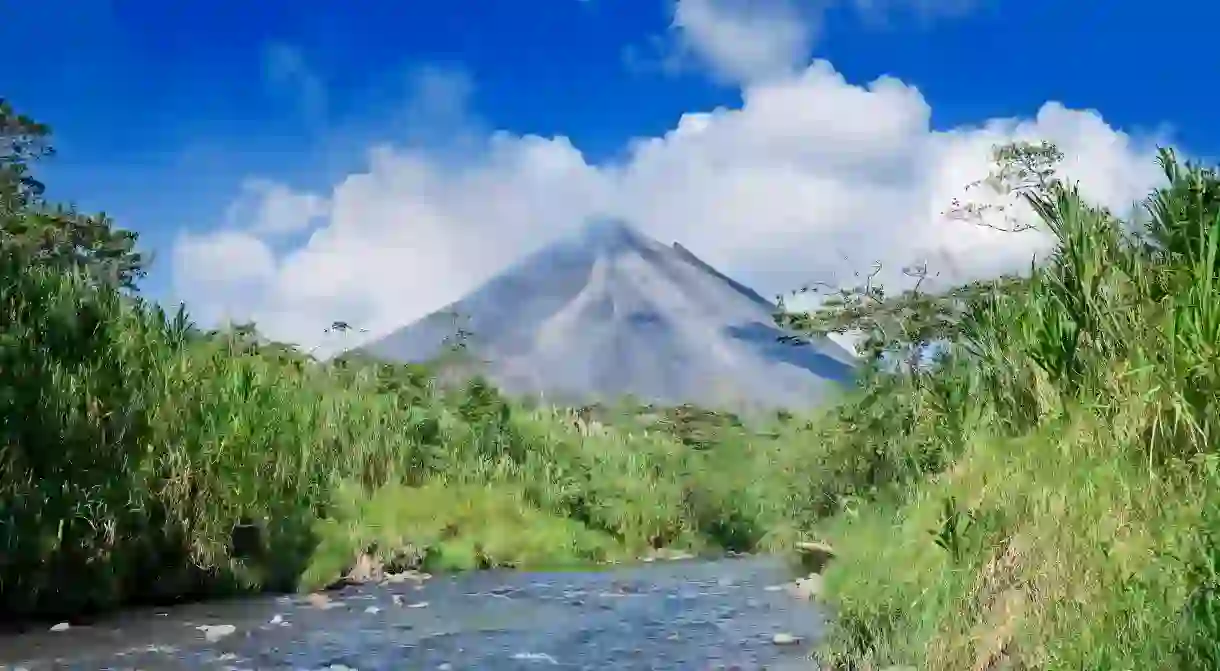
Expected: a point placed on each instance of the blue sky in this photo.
(162, 110)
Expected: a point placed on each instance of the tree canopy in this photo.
(55, 234)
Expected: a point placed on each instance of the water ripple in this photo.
(671, 616)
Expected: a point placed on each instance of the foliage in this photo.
(56, 235)
(135, 445)
(22, 140)
(907, 323)
(1041, 496)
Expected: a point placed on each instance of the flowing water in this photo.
(720, 614)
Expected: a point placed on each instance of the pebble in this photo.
(215, 632)
(785, 639)
(536, 657)
(322, 601)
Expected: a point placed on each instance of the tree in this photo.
(1021, 170)
(55, 235)
(904, 325)
(22, 141)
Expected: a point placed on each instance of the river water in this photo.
(678, 615)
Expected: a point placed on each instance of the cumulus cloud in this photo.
(746, 41)
(269, 208)
(811, 178)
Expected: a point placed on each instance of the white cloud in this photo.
(744, 40)
(747, 41)
(812, 178)
(224, 274)
(270, 208)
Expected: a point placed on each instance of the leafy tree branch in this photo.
(903, 325)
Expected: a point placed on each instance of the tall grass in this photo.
(137, 452)
(1052, 488)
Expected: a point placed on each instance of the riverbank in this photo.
(1068, 519)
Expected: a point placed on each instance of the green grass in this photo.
(1060, 506)
(134, 445)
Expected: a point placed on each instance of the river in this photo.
(676, 615)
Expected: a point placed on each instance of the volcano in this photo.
(610, 312)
